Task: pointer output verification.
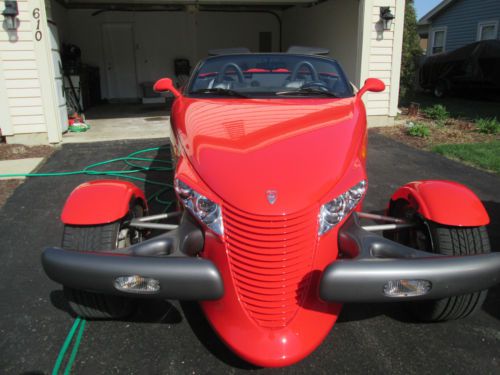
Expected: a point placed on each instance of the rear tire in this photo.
(100, 238)
(445, 240)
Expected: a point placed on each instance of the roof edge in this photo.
(425, 20)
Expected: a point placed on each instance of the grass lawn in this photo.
(483, 155)
(463, 129)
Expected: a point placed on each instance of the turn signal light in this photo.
(137, 284)
(407, 288)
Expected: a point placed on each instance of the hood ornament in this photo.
(272, 195)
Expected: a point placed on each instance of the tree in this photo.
(411, 52)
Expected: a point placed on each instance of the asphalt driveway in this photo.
(169, 337)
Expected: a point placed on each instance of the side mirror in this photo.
(373, 85)
(166, 84)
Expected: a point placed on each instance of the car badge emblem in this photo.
(272, 195)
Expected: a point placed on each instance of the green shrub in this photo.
(488, 125)
(419, 130)
(438, 113)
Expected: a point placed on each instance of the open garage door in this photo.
(129, 44)
(155, 34)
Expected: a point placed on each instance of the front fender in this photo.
(100, 202)
(444, 202)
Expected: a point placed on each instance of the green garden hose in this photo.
(130, 160)
(78, 322)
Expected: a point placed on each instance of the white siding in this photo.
(25, 86)
(21, 75)
(384, 57)
(355, 39)
(381, 55)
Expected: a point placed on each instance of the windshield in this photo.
(269, 76)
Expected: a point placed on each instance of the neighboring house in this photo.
(455, 23)
(131, 42)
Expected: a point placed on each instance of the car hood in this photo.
(246, 150)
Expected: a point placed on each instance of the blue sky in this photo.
(423, 6)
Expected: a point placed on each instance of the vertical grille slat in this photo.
(271, 259)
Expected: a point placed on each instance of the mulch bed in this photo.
(14, 152)
(454, 131)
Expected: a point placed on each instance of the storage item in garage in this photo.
(182, 69)
(90, 86)
(149, 96)
(73, 92)
(71, 58)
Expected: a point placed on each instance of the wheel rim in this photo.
(418, 237)
(128, 236)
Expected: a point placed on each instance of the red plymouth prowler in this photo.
(270, 177)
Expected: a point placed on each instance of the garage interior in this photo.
(113, 51)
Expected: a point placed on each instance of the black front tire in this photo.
(444, 240)
(99, 238)
(455, 241)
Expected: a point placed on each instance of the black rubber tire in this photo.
(452, 241)
(96, 238)
(455, 241)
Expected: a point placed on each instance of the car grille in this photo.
(271, 259)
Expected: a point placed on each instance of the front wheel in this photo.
(100, 238)
(448, 241)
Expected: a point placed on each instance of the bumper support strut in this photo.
(377, 260)
(169, 258)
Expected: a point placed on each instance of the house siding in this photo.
(20, 77)
(378, 54)
(461, 19)
(27, 89)
(384, 58)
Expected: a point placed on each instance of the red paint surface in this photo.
(444, 202)
(166, 84)
(309, 150)
(373, 85)
(242, 148)
(270, 257)
(100, 202)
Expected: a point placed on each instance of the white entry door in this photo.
(119, 57)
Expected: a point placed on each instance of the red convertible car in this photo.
(270, 155)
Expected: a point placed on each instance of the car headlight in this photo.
(333, 212)
(204, 209)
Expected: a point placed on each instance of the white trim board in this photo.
(432, 32)
(481, 24)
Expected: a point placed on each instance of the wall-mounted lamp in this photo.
(10, 13)
(386, 17)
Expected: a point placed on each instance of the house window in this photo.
(487, 30)
(438, 40)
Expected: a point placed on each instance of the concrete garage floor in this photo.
(169, 337)
(111, 122)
